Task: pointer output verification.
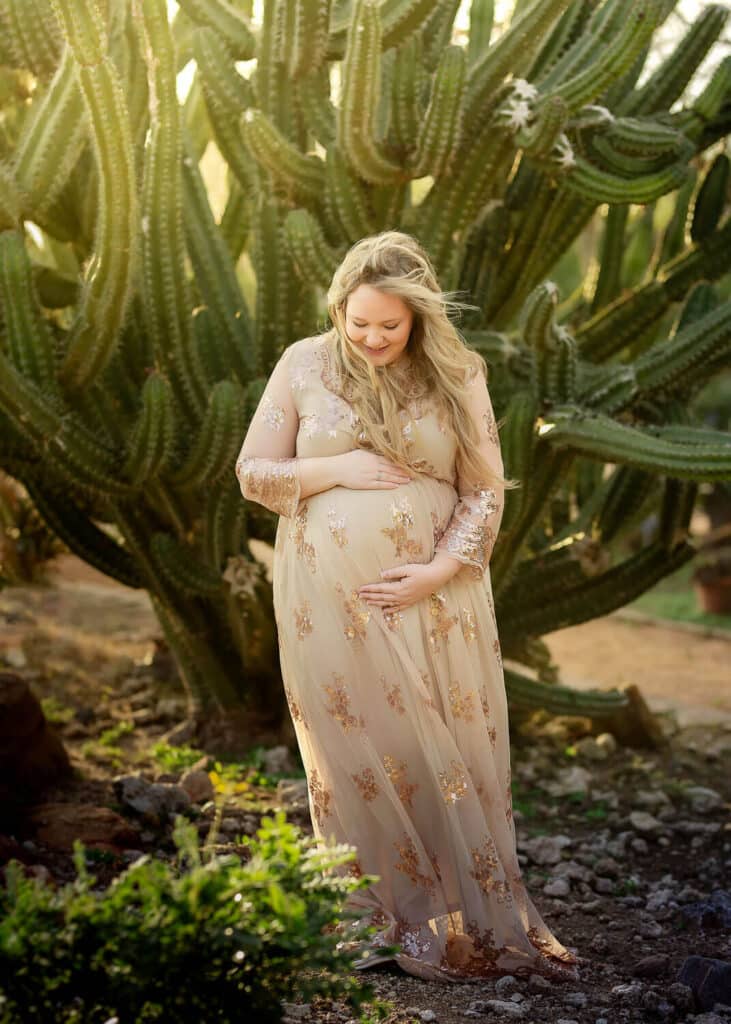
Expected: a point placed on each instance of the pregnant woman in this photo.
(377, 445)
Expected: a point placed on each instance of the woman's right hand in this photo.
(360, 470)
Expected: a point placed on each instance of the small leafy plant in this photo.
(190, 941)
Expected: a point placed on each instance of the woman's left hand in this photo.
(402, 586)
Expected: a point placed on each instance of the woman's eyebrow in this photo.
(388, 320)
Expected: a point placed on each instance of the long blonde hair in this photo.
(395, 262)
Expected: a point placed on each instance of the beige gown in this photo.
(401, 717)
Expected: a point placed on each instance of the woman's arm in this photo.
(473, 528)
(267, 468)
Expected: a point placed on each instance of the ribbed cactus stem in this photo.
(29, 339)
(614, 60)
(107, 288)
(227, 20)
(314, 258)
(303, 176)
(359, 99)
(668, 82)
(164, 285)
(53, 137)
(512, 53)
(442, 122)
(601, 437)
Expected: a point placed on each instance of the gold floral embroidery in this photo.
(303, 620)
(365, 780)
(498, 653)
(272, 413)
(483, 701)
(462, 707)
(337, 527)
(321, 797)
(409, 864)
(403, 516)
(469, 625)
(491, 430)
(468, 536)
(303, 547)
(393, 619)
(328, 418)
(453, 783)
(397, 773)
(492, 733)
(339, 706)
(415, 940)
(273, 483)
(358, 613)
(294, 708)
(444, 621)
(393, 695)
(486, 864)
(435, 864)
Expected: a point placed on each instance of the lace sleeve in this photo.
(266, 467)
(472, 530)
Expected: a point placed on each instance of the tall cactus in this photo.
(133, 354)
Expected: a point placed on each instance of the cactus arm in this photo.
(601, 437)
(360, 96)
(314, 259)
(711, 200)
(596, 595)
(482, 22)
(30, 37)
(524, 692)
(54, 134)
(150, 443)
(309, 36)
(74, 451)
(668, 82)
(29, 338)
(611, 328)
(107, 288)
(81, 534)
(164, 288)
(609, 279)
(301, 175)
(226, 94)
(346, 196)
(614, 61)
(216, 443)
(599, 186)
(667, 365)
(273, 269)
(182, 568)
(313, 99)
(513, 53)
(442, 123)
(226, 20)
(215, 274)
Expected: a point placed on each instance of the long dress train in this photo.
(401, 717)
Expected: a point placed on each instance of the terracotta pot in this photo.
(714, 596)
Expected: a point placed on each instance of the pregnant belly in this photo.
(364, 531)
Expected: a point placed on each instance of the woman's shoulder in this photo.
(303, 359)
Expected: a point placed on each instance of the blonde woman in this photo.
(376, 443)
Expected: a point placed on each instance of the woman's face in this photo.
(378, 324)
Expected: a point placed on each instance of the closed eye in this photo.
(389, 327)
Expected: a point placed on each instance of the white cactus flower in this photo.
(564, 152)
(524, 90)
(518, 113)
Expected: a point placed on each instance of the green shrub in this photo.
(190, 941)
